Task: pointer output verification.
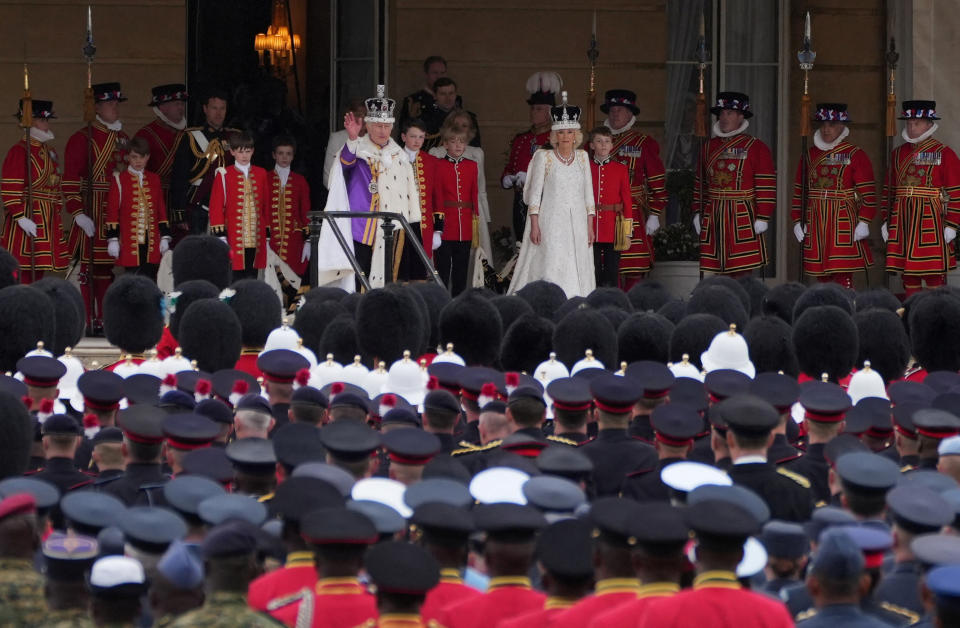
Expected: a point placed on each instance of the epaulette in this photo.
(287, 600)
(911, 617)
(476, 448)
(796, 477)
(807, 614)
(561, 439)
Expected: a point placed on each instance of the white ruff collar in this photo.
(40, 136)
(819, 143)
(113, 126)
(917, 140)
(718, 133)
(623, 129)
(176, 125)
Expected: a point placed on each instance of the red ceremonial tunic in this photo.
(424, 173)
(288, 218)
(248, 362)
(505, 598)
(522, 148)
(611, 196)
(641, 155)
(455, 195)
(628, 614)
(717, 600)
(914, 208)
(135, 212)
(542, 618)
(841, 193)
(163, 140)
(242, 218)
(741, 188)
(337, 603)
(450, 590)
(607, 594)
(50, 245)
(106, 158)
(298, 572)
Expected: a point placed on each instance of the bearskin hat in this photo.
(511, 307)
(340, 338)
(26, 317)
(312, 320)
(473, 325)
(258, 308)
(877, 297)
(769, 339)
(644, 336)
(435, 296)
(9, 269)
(16, 436)
(730, 284)
(824, 294)
(825, 341)
(648, 296)
(202, 257)
(756, 290)
(883, 341)
(582, 329)
(68, 311)
(571, 304)
(133, 312)
(935, 331)
(388, 323)
(526, 344)
(190, 291)
(211, 333)
(673, 310)
(693, 335)
(544, 297)
(609, 297)
(719, 300)
(779, 300)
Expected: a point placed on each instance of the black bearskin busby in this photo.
(474, 327)
(693, 335)
(526, 344)
(825, 340)
(934, 323)
(644, 336)
(511, 307)
(648, 296)
(769, 339)
(133, 312)
(202, 257)
(720, 301)
(779, 300)
(883, 341)
(388, 323)
(68, 310)
(582, 329)
(190, 291)
(210, 334)
(544, 297)
(258, 308)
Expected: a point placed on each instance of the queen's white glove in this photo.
(113, 248)
(760, 226)
(28, 226)
(83, 221)
(696, 223)
(653, 223)
(861, 232)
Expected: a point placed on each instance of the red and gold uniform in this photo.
(641, 155)
(137, 216)
(297, 573)
(337, 603)
(611, 197)
(628, 614)
(289, 205)
(506, 597)
(456, 197)
(608, 593)
(50, 245)
(740, 188)
(239, 211)
(921, 197)
(841, 193)
(106, 155)
(450, 590)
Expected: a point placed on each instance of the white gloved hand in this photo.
(305, 254)
(113, 248)
(507, 181)
(28, 226)
(83, 221)
(884, 232)
(520, 179)
(437, 241)
(696, 223)
(861, 232)
(224, 240)
(949, 234)
(799, 232)
(653, 223)
(760, 226)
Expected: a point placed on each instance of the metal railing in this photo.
(389, 241)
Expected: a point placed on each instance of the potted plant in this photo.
(676, 246)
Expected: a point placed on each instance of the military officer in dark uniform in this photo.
(200, 152)
(142, 482)
(674, 427)
(614, 452)
(750, 422)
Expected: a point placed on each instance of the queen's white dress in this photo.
(562, 195)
